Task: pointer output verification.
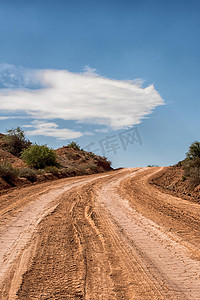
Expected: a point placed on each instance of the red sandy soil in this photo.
(102, 236)
(13, 160)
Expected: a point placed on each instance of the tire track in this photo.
(17, 232)
(165, 261)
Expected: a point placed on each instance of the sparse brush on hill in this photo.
(16, 141)
(21, 159)
(52, 169)
(191, 164)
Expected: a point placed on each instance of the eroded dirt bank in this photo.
(171, 180)
(110, 236)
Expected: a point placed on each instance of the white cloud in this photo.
(51, 129)
(82, 97)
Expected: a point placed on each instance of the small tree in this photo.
(16, 141)
(39, 157)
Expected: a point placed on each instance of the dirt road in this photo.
(105, 236)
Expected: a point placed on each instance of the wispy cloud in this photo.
(82, 97)
(51, 129)
(13, 77)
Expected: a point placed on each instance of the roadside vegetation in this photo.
(182, 179)
(7, 172)
(28, 173)
(39, 157)
(15, 141)
(20, 159)
(191, 164)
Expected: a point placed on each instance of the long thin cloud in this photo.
(83, 97)
(51, 129)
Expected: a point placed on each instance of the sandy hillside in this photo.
(172, 180)
(70, 162)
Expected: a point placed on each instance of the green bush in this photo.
(28, 173)
(16, 141)
(7, 172)
(39, 157)
(74, 145)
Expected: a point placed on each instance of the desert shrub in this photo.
(7, 172)
(65, 171)
(192, 170)
(28, 173)
(74, 145)
(39, 171)
(70, 171)
(16, 141)
(92, 155)
(179, 164)
(83, 168)
(51, 169)
(39, 157)
(195, 175)
(93, 167)
(191, 164)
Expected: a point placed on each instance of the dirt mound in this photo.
(13, 160)
(7, 156)
(172, 181)
(84, 162)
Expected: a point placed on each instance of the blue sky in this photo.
(90, 70)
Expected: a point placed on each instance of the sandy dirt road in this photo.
(105, 236)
